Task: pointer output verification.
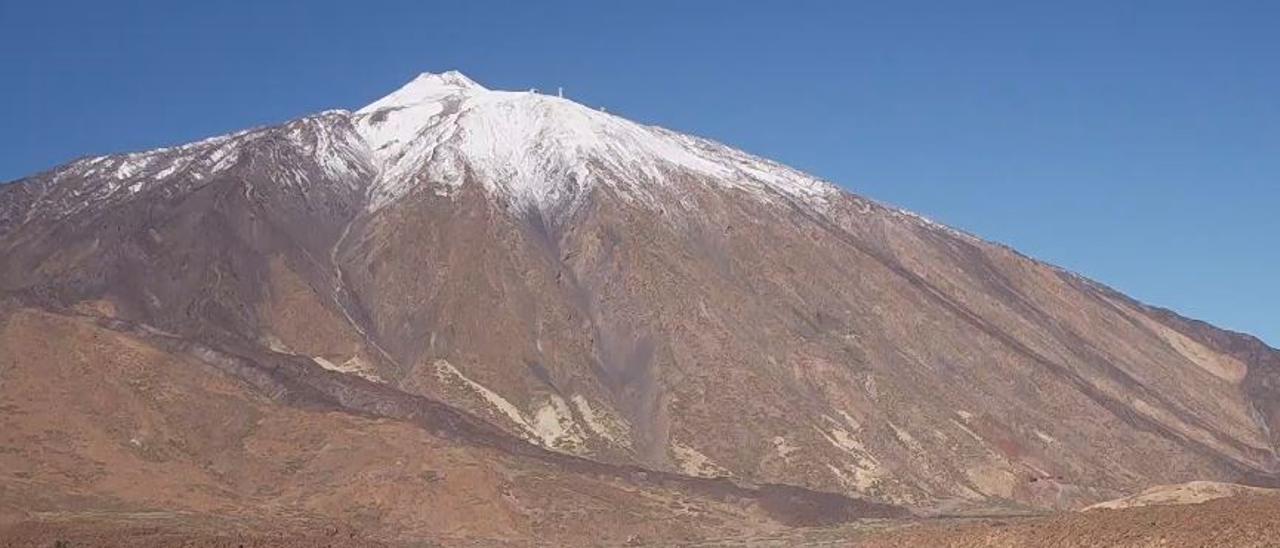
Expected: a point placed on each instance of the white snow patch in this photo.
(423, 88)
(441, 131)
(547, 152)
(325, 139)
(926, 222)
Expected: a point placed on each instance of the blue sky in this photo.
(1137, 143)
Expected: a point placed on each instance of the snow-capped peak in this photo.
(440, 131)
(425, 87)
(544, 151)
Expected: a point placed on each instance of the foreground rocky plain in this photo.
(1245, 521)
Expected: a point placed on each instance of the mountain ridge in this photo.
(630, 296)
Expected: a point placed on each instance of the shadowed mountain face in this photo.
(569, 290)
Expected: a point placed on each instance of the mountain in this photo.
(579, 303)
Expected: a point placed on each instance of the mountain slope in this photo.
(112, 425)
(639, 297)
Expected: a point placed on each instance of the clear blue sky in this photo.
(1137, 143)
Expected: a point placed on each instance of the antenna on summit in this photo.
(560, 92)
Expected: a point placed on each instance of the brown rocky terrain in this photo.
(1245, 521)
(105, 427)
(1184, 493)
(466, 315)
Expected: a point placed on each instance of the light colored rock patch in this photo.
(553, 424)
(849, 420)
(859, 476)
(859, 471)
(1045, 437)
(841, 437)
(844, 441)
(869, 384)
(694, 463)
(966, 430)
(602, 423)
(446, 372)
(276, 345)
(850, 445)
(1185, 493)
(992, 480)
(1160, 415)
(784, 448)
(846, 479)
(353, 366)
(906, 439)
(1224, 367)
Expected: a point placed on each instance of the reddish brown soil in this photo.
(1246, 521)
(76, 534)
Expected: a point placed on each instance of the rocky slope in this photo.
(120, 431)
(588, 287)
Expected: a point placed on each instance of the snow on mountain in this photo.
(543, 151)
(441, 130)
(300, 153)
